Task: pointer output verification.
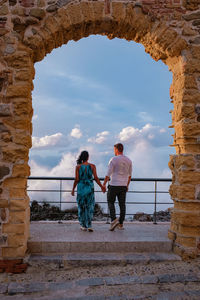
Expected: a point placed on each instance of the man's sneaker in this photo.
(120, 227)
(114, 224)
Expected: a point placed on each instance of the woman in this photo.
(84, 174)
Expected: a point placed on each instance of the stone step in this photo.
(102, 259)
(53, 238)
(53, 247)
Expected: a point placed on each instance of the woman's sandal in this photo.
(90, 229)
(83, 228)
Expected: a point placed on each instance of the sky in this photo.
(90, 94)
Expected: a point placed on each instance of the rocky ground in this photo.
(156, 280)
(47, 212)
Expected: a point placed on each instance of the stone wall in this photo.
(29, 29)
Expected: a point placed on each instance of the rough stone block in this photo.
(4, 171)
(118, 10)
(187, 218)
(98, 10)
(19, 60)
(19, 204)
(185, 230)
(74, 13)
(24, 75)
(3, 10)
(15, 183)
(3, 214)
(186, 241)
(18, 217)
(86, 11)
(14, 228)
(188, 205)
(188, 177)
(185, 161)
(17, 193)
(51, 25)
(4, 203)
(3, 240)
(21, 170)
(5, 110)
(38, 13)
(16, 240)
(18, 91)
(187, 129)
(15, 155)
(12, 252)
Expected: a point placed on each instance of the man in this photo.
(119, 174)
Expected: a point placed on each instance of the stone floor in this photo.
(146, 276)
(153, 280)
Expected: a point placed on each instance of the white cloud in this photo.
(46, 141)
(128, 133)
(148, 132)
(145, 117)
(100, 138)
(76, 133)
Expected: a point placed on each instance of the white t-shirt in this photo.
(119, 170)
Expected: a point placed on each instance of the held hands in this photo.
(103, 188)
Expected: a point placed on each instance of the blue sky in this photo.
(93, 93)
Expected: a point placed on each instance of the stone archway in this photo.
(29, 29)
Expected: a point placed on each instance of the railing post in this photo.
(60, 221)
(60, 192)
(155, 204)
(108, 214)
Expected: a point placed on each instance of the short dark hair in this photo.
(119, 147)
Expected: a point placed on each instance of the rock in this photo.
(1, 83)
(41, 3)
(142, 217)
(12, 2)
(9, 49)
(3, 10)
(38, 13)
(4, 171)
(196, 23)
(4, 110)
(196, 41)
(52, 8)
(62, 3)
(161, 216)
(47, 212)
(31, 21)
(192, 16)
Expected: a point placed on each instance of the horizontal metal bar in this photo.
(135, 192)
(104, 202)
(101, 178)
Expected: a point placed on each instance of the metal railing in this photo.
(155, 191)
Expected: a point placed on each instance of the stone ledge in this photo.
(15, 288)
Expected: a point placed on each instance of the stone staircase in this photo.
(65, 244)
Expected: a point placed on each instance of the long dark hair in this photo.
(83, 157)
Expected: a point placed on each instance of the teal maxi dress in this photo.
(85, 196)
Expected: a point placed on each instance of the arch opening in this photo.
(93, 100)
